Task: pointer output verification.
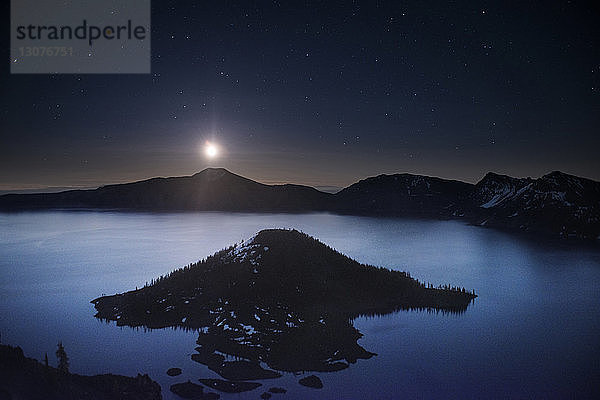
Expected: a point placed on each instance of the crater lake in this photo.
(532, 332)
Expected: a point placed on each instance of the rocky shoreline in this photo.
(26, 378)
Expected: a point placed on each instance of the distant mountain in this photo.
(494, 189)
(213, 189)
(405, 195)
(50, 189)
(556, 204)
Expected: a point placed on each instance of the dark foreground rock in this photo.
(229, 386)
(243, 370)
(311, 381)
(189, 390)
(174, 371)
(26, 378)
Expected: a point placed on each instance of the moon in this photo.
(211, 150)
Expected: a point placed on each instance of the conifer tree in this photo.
(63, 360)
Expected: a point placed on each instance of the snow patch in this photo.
(249, 329)
(245, 251)
(498, 198)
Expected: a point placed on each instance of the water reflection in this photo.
(281, 339)
(248, 340)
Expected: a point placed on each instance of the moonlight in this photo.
(211, 150)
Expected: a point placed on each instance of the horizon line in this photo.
(330, 188)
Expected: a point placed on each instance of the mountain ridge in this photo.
(555, 203)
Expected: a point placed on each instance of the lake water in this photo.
(533, 332)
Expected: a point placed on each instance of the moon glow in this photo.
(211, 150)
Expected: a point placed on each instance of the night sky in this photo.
(321, 93)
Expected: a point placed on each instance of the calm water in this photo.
(534, 331)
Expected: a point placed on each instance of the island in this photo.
(280, 301)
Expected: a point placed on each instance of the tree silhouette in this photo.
(63, 360)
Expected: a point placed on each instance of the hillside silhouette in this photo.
(556, 204)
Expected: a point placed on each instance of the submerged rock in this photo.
(189, 390)
(209, 359)
(311, 381)
(244, 371)
(265, 395)
(229, 386)
(174, 371)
